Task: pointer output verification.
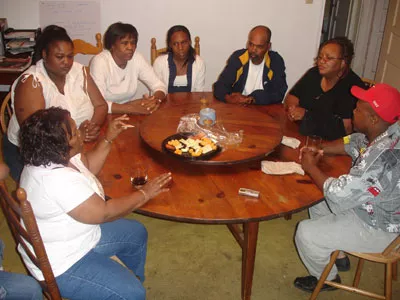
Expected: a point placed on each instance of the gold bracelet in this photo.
(107, 141)
(144, 194)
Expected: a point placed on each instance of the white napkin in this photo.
(290, 142)
(281, 168)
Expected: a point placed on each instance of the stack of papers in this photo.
(30, 35)
(20, 46)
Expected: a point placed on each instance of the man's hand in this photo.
(309, 159)
(238, 98)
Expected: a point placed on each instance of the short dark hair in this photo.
(177, 28)
(44, 137)
(118, 31)
(346, 48)
(266, 29)
(50, 34)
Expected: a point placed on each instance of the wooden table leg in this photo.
(250, 231)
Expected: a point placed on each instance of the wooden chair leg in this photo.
(388, 282)
(394, 268)
(357, 277)
(324, 275)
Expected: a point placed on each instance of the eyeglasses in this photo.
(327, 58)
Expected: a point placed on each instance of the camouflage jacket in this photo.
(372, 187)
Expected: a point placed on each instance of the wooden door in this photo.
(389, 59)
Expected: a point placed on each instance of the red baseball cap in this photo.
(383, 98)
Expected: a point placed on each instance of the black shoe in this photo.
(343, 264)
(308, 283)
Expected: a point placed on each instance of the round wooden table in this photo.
(261, 133)
(208, 193)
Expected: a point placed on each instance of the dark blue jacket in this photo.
(233, 78)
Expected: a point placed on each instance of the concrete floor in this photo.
(199, 262)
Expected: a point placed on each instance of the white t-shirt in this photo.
(120, 85)
(198, 72)
(180, 80)
(53, 191)
(75, 99)
(254, 78)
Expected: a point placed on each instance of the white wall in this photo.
(222, 25)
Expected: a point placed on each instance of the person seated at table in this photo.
(119, 67)
(255, 75)
(54, 79)
(321, 99)
(80, 230)
(14, 285)
(361, 211)
(180, 69)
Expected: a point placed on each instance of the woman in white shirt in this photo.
(54, 79)
(180, 69)
(81, 231)
(117, 69)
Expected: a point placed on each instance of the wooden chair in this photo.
(5, 113)
(154, 52)
(82, 47)
(389, 257)
(368, 82)
(20, 209)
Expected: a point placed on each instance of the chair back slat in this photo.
(22, 222)
(82, 47)
(5, 112)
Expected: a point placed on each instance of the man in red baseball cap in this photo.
(383, 98)
(361, 211)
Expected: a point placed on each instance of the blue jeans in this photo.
(15, 286)
(97, 276)
(12, 158)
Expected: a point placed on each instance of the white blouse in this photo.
(75, 99)
(120, 85)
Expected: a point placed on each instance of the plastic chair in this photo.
(154, 52)
(25, 231)
(389, 257)
(82, 47)
(5, 113)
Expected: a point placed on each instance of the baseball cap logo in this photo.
(375, 103)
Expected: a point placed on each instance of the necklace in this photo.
(378, 138)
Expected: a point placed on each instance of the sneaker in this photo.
(343, 264)
(308, 283)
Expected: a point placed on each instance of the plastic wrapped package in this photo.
(216, 132)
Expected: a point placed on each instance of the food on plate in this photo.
(192, 146)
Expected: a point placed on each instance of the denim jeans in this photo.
(97, 276)
(15, 286)
(12, 158)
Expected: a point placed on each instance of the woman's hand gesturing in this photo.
(116, 126)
